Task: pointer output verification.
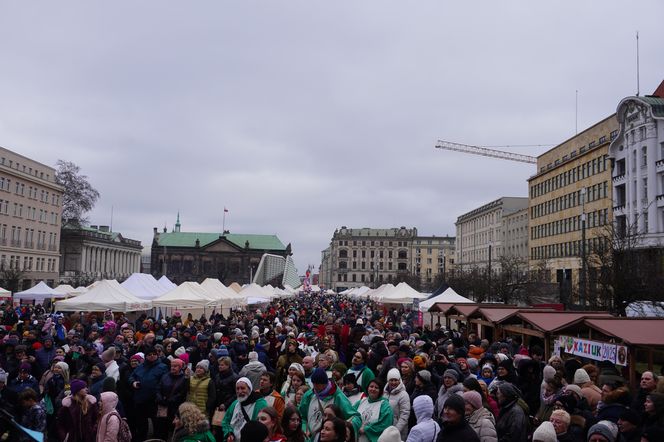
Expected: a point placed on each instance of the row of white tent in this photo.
(142, 292)
(403, 294)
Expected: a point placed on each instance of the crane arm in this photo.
(476, 150)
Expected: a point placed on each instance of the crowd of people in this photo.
(309, 368)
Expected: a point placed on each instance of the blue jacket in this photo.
(149, 376)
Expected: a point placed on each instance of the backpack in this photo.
(124, 433)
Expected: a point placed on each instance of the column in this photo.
(83, 257)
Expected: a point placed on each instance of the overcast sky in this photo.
(303, 116)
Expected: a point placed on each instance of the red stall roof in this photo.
(550, 321)
(635, 331)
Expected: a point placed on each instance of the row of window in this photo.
(29, 263)
(569, 249)
(580, 172)
(343, 277)
(33, 192)
(343, 253)
(26, 169)
(363, 265)
(28, 212)
(15, 240)
(573, 199)
(596, 218)
(375, 243)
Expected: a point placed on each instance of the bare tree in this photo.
(79, 197)
(511, 280)
(624, 270)
(11, 277)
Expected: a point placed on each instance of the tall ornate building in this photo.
(91, 253)
(371, 257)
(194, 256)
(638, 173)
(30, 209)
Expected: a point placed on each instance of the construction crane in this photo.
(486, 152)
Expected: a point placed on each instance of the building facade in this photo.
(368, 257)
(192, 256)
(570, 197)
(638, 173)
(481, 236)
(432, 256)
(30, 220)
(92, 253)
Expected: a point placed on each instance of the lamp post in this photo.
(582, 276)
(490, 246)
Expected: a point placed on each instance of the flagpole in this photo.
(223, 222)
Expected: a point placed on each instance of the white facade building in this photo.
(638, 168)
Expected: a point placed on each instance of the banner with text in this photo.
(595, 350)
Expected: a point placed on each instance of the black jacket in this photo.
(457, 433)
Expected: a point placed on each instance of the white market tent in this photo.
(79, 291)
(376, 293)
(188, 295)
(166, 283)
(65, 289)
(144, 286)
(105, 295)
(253, 290)
(448, 296)
(235, 287)
(229, 298)
(38, 293)
(4, 293)
(402, 293)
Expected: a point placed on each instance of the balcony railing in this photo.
(618, 178)
(16, 242)
(52, 248)
(29, 245)
(41, 245)
(659, 165)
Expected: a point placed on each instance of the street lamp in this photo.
(582, 276)
(490, 246)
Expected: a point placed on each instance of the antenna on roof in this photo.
(111, 218)
(576, 112)
(638, 86)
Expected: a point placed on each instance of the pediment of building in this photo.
(220, 246)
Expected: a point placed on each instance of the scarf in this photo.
(359, 367)
(327, 392)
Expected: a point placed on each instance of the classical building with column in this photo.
(95, 252)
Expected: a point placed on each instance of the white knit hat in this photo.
(204, 364)
(545, 433)
(390, 434)
(581, 376)
(393, 374)
(246, 381)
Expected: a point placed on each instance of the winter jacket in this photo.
(234, 419)
(34, 419)
(312, 405)
(592, 393)
(512, 424)
(202, 393)
(460, 432)
(109, 422)
(484, 424)
(17, 385)
(73, 425)
(172, 392)
(149, 375)
(400, 404)
(376, 417)
(225, 386)
(444, 393)
(253, 371)
(427, 429)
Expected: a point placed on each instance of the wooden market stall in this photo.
(623, 341)
(542, 324)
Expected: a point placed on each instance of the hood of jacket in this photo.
(423, 408)
(481, 413)
(109, 401)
